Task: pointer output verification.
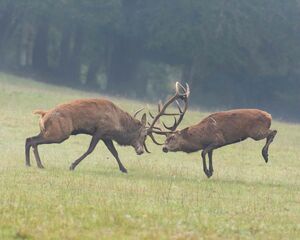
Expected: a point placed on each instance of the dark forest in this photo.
(233, 53)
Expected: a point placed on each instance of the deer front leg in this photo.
(206, 171)
(27, 151)
(93, 144)
(211, 169)
(37, 156)
(110, 145)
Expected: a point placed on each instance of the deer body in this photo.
(99, 118)
(104, 121)
(220, 129)
(89, 116)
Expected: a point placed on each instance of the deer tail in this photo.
(40, 112)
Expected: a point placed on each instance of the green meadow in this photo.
(163, 196)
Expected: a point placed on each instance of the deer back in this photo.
(83, 116)
(236, 124)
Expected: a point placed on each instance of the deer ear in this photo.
(144, 120)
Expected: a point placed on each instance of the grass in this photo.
(164, 196)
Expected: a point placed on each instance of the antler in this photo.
(181, 93)
(137, 112)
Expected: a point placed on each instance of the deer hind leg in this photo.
(33, 142)
(27, 151)
(209, 150)
(110, 145)
(270, 138)
(269, 135)
(93, 144)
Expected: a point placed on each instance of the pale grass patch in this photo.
(164, 196)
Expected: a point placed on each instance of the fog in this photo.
(233, 53)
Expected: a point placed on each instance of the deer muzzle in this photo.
(139, 150)
(165, 149)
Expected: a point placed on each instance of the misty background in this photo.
(233, 53)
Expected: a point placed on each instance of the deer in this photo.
(102, 120)
(220, 129)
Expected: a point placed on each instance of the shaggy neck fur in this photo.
(129, 131)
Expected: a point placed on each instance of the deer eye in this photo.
(171, 138)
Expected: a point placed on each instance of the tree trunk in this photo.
(40, 48)
(65, 49)
(121, 72)
(5, 20)
(91, 78)
(26, 45)
(74, 71)
(125, 55)
(8, 24)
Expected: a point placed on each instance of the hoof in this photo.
(71, 168)
(266, 156)
(123, 170)
(208, 174)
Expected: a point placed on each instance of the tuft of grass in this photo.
(164, 196)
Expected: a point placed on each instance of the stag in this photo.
(99, 118)
(221, 129)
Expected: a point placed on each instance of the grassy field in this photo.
(163, 196)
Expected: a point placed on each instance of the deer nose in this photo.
(140, 151)
(165, 149)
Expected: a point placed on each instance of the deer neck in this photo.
(189, 141)
(128, 131)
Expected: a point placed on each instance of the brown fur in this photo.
(99, 118)
(220, 129)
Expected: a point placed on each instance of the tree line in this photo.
(233, 53)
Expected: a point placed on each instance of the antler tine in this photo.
(146, 148)
(171, 114)
(159, 106)
(160, 132)
(151, 115)
(137, 112)
(154, 140)
(179, 108)
(157, 128)
(171, 128)
(182, 111)
(179, 85)
(181, 93)
(182, 114)
(186, 90)
(161, 112)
